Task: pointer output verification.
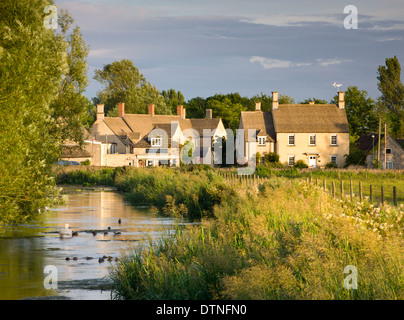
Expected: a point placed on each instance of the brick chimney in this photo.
(151, 109)
(341, 100)
(181, 112)
(258, 106)
(208, 113)
(121, 110)
(100, 112)
(275, 102)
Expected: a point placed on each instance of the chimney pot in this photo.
(275, 102)
(341, 100)
(151, 109)
(100, 112)
(208, 113)
(121, 109)
(258, 106)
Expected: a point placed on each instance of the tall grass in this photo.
(174, 192)
(289, 241)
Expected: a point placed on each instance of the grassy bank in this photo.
(289, 241)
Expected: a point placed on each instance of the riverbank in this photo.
(286, 239)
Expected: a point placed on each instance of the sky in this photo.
(201, 48)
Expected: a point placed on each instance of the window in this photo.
(312, 140)
(389, 164)
(149, 163)
(262, 141)
(333, 139)
(113, 148)
(333, 159)
(388, 151)
(291, 140)
(291, 160)
(156, 142)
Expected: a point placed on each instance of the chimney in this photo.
(341, 100)
(275, 102)
(258, 106)
(151, 109)
(100, 112)
(121, 110)
(181, 112)
(208, 113)
(311, 102)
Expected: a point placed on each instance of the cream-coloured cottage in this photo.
(142, 140)
(315, 133)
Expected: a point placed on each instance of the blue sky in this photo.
(298, 48)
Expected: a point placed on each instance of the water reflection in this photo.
(25, 251)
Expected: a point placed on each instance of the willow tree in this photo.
(33, 64)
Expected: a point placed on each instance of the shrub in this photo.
(301, 164)
(330, 165)
(272, 157)
(85, 162)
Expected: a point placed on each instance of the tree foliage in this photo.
(391, 102)
(35, 63)
(123, 82)
(360, 110)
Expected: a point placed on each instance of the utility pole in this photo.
(385, 146)
(378, 142)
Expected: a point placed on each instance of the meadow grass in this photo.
(289, 240)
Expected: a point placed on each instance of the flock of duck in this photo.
(66, 232)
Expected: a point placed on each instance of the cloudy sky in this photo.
(299, 48)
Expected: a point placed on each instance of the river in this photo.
(27, 250)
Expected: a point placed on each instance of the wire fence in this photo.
(349, 189)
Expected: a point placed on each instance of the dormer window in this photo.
(156, 142)
(262, 141)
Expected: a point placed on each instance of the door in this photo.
(312, 161)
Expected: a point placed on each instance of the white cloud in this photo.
(330, 62)
(269, 63)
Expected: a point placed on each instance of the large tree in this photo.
(123, 82)
(391, 102)
(32, 63)
(360, 111)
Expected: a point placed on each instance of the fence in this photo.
(348, 189)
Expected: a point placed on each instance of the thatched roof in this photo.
(315, 118)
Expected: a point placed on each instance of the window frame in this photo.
(315, 140)
(294, 139)
(388, 166)
(294, 161)
(336, 159)
(391, 150)
(260, 141)
(336, 140)
(154, 141)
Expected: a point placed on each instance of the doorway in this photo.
(312, 161)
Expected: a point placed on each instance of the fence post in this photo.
(360, 191)
(342, 189)
(371, 193)
(382, 194)
(395, 196)
(325, 185)
(333, 189)
(350, 189)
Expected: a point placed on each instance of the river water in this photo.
(26, 251)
